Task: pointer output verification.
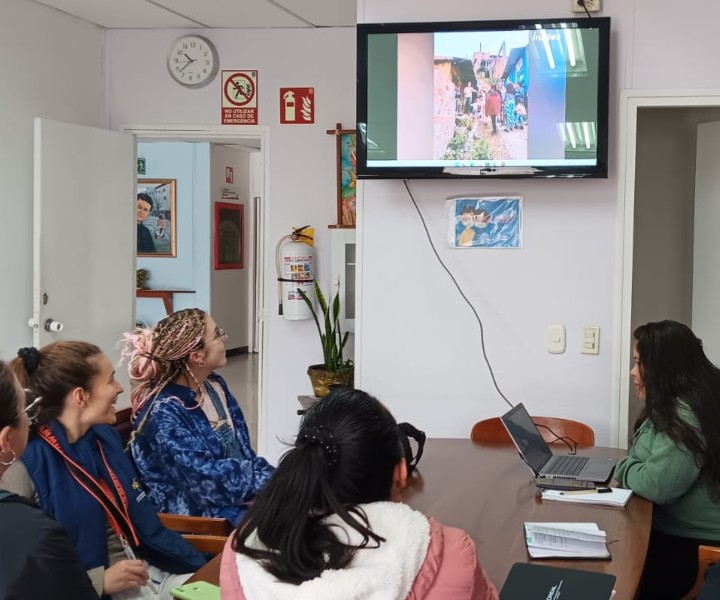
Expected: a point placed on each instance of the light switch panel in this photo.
(556, 339)
(590, 340)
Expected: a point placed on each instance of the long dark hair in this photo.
(675, 369)
(344, 455)
(9, 414)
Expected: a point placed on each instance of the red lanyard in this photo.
(118, 514)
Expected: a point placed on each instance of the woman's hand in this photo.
(125, 575)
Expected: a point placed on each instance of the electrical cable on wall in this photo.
(582, 3)
(462, 294)
(569, 442)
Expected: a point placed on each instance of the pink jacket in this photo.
(450, 570)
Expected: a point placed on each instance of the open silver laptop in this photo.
(537, 454)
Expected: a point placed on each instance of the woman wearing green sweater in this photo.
(675, 456)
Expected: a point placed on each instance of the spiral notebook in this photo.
(540, 582)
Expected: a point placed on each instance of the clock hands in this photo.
(188, 62)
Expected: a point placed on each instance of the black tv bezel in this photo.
(599, 170)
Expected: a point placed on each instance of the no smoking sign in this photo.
(239, 98)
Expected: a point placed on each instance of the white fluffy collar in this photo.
(384, 573)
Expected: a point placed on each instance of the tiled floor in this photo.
(241, 374)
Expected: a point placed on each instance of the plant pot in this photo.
(322, 380)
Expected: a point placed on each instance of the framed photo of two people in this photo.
(156, 228)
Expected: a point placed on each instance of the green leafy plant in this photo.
(332, 338)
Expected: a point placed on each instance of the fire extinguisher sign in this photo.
(297, 106)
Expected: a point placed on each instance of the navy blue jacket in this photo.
(83, 517)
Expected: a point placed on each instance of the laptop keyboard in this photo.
(566, 465)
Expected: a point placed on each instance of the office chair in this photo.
(205, 534)
(707, 555)
(123, 424)
(492, 431)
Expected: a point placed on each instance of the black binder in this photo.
(540, 582)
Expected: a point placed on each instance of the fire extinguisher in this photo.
(295, 270)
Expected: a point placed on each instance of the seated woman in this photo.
(34, 543)
(325, 526)
(190, 441)
(675, 456)
(82, 478)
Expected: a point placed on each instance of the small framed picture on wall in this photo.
(229, 235)
(155, 204)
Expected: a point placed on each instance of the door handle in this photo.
(53, 326)
(33, 323)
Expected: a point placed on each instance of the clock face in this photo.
(193, 61)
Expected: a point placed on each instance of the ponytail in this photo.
(344, 455)
(53, 371)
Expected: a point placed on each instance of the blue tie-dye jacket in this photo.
(182, 462)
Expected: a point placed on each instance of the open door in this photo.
(84, 236)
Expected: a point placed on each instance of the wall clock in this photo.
(193, 61)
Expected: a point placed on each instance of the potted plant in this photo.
(335, 369)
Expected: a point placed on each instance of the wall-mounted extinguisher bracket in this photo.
(294, 261)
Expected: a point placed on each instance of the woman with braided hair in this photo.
(190, 441)
(325, 525)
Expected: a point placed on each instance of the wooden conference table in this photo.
(489, 492)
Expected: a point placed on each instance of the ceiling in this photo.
(233, 14)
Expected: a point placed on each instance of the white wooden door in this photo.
(706, 255)
(84, 235)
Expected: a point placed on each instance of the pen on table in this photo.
(604, 490)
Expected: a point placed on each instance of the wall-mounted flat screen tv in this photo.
(521, 98)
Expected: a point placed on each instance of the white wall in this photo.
(189, 164)
(424, 337)
(564, 273)
(229, 287)
(35, 83)
(302, 157)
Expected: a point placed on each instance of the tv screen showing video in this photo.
(510, 98)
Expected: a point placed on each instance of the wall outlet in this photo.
(591, 5)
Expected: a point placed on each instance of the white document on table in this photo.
(566, 540)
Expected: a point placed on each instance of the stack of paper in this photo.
(566, 540)
(617, 497)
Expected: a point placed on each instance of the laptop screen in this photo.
(526, 437)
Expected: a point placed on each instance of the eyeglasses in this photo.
(219, 334)
(32, 404)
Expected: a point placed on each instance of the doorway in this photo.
(256, 139)
(656, 223)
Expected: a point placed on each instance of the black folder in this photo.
(540, 582)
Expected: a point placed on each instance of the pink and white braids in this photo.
(158, 355)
